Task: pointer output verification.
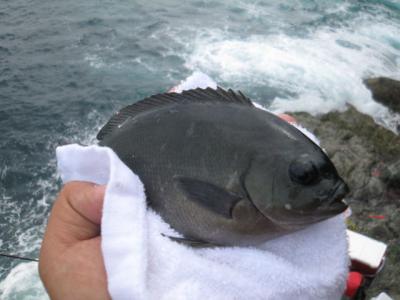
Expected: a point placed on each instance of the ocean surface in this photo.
(66, 66)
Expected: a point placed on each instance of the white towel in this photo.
(143, 264)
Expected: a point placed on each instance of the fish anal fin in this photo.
(209, 196)
(191, 242)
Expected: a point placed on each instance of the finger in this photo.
(86, 199)
(70, 251)
(288, 118)
(76, 214)
(173, 89)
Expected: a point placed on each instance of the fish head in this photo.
(296, 188)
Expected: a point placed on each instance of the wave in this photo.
(318, 73)
(23, 283)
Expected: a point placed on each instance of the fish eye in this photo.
(303, 172)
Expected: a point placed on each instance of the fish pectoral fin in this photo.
(209, 196)
(191, 243)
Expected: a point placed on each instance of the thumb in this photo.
(288, 118)
(76, 214)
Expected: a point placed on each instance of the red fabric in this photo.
(354, 281)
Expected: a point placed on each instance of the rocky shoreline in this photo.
(368, 157)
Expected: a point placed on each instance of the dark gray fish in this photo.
(222, 171)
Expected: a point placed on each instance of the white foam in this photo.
(321, 73)
(196, 80)
(94, 61)
(23, 283)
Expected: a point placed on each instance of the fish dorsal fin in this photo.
(197, 95)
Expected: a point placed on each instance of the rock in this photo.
(359, 148)
(386, 91)
(367, 156)
(391, 176)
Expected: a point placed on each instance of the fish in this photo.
(221, 171)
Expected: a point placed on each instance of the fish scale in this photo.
(217, 169)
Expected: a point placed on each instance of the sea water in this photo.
(66, 66)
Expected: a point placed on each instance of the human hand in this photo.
(71, 263)
(288, 118)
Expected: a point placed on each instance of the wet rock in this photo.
(367, 156)
(385, 91)
(391, 176)
(380, 231)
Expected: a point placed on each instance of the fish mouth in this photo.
(331, 204)
(335, 202)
